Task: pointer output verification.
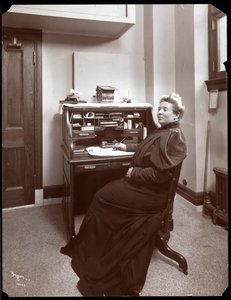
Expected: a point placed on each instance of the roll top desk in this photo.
(99, 125)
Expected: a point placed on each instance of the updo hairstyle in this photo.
(176, 100)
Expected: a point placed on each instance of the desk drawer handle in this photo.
(83, 134)
(89, 167)
(126, 164)
(134, 131)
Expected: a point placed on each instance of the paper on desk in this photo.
(98, 151)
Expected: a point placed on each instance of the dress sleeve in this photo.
(150, 175)
(165, 154)
(170, 151)
(131, 147)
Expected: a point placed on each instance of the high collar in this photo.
(171, 125)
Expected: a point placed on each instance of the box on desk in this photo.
(105, 94)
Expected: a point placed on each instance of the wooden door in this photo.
(19, 105)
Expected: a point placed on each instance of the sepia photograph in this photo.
(114, 149)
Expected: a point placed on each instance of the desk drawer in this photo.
(83, 134)
(101, 166)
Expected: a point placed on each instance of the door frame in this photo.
(36, 36)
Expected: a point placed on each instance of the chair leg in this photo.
(167, 251)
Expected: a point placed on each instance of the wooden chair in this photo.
(163, 234)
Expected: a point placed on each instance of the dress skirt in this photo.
(113, 248)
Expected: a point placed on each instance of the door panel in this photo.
(14, 191)
(13, 137)
(18, 128)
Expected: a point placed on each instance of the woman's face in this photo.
(165, 113)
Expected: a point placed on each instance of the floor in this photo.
(33, 266)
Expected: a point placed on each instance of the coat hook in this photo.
(14, 43)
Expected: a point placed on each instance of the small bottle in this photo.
(103, 144)
(129, 124)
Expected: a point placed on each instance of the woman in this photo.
(112, 251)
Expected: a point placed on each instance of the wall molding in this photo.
(53, 191)
(196, 198)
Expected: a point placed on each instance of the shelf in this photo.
(105, 129)
(109, 21)
(218, 83)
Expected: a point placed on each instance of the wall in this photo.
(57, 80)
(191, 71)
(185, 81)
(175, 58)
(148, 52)
(201, 93)
(171, 49)
(164, 50)
(159, 38)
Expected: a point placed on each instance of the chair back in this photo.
(167, 221)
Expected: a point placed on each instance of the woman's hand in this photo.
(120, 146)
(129, 172)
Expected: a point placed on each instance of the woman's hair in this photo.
(176, 100)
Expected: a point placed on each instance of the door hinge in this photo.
(34, 57)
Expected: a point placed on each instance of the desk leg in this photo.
(68, 199)
(71, 205)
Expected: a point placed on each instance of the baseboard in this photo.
(46, 196)
(52, 201)
(17, 207)
(53, 194)
(53, 191)
(195, 198)
(56, 191)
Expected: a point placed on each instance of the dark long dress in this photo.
(112, 251)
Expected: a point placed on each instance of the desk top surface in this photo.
(88, 159)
